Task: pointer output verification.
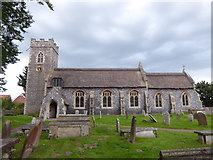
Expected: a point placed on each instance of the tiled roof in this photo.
(20, 99)
(5, 96)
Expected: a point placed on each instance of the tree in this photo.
(205, 91)
(22, 79)
(15, 19)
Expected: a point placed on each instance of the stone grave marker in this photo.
(201, 117)
(178, 116)
(195, 115)
(152, 118)
(100, 115)
(207, 111)
(6, 132)
(76, 111)
(126, 113)
(143, 113)
(133, 130)
(190, 117)
(93, 120)
(85, 112)
(32, 140)
(117, 125)
(166, 118)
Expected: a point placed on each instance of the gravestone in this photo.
(35, 121)
(32, 140)
(178, 116)
(126, 113)
(166, 118)
(143, 113)
(152, 118)
(133, 130)
(100, 115)
(76, 111)
(190, 117)
(93, 120)
(117, 125)
(181, 112)
(85, 112)
(201, 117)
(6, 129)
(207, 111)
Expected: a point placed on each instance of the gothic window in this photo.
(79, 99)
(107, 99)
(134, 98)
(158, 100)
(57, 82)
(185, 99)
(40, 57)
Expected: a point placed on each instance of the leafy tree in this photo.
(7, 103)
(15, 19)
(22, 79)
(205, 90)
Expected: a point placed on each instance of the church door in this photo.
(53, 110)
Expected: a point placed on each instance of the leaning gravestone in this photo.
(190, 117)
(166, 120)
(32, 140)
(152, 118)
(201, 117)
(143, 113)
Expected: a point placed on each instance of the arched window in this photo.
(158, 100)
(134, 98)
(185, 99)
(57, 82)
(40, 58)
(79, 99)
(107, 99)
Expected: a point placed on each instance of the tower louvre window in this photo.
(57, 82)
(40, 58)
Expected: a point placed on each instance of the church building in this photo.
(52, 91)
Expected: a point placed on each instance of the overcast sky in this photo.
(163, 35)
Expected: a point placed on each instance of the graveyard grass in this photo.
(105, 142)
(19, 120)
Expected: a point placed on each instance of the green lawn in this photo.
(19, 120)
(104, 142)
(183, 123)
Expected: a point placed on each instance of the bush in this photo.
(18, 108)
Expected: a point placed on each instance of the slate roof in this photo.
(119, 77)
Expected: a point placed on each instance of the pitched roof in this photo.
(119, 77)
(96, 77)
(5, 96)
(20, 99)
(169, 80)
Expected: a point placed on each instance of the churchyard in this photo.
(104, 142)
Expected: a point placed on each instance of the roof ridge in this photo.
(97, 69)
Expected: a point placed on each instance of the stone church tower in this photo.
(43, 59)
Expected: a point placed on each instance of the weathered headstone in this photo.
(152, 118)
(93, 120)
(195, 115)
(6, 129)
(166, 118)
(201, 117)
(143, 113)
(100, 115)
(178, 116)
(85, 112)
(117, 125)
(126, 113)
(76, 111)
(35, 121)
(207, 111)
(190, 117)
(133, 130)
(32, 140)
(181, 112)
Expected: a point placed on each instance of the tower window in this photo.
(40, 58)
(57, 82)
(158, 100)
(79, 99)
(185, 99)
(134, 98)
(107, 99)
